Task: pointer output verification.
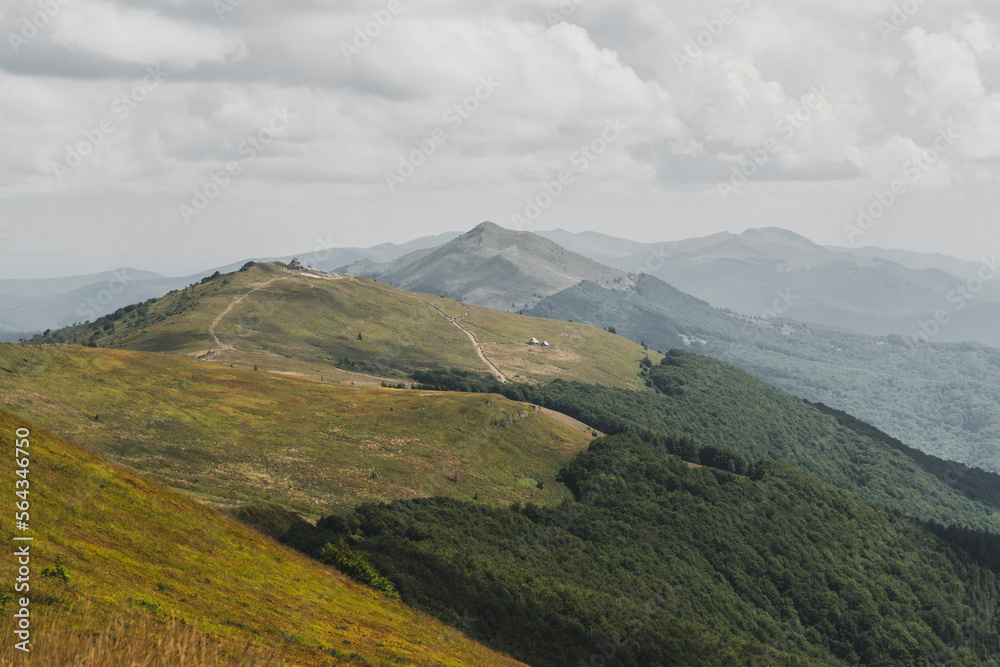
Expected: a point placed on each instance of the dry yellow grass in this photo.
(136, 641)
(134, 549)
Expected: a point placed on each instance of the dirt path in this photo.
(457, 321)
(219, 347)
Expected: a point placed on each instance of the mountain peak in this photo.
(488, 230)
(495, 267)
(776, 234)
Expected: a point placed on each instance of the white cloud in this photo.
(141, 36)
(559, 84)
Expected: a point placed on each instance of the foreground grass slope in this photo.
(134, 550)
(231, 435)
(324, 326)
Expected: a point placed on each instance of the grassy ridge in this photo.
(136, 549)
(232, 435)
(291, 322)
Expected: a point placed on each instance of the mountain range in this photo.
(547, 481)
(935, 396)
(869, 290)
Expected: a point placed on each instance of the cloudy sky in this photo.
(179, 134)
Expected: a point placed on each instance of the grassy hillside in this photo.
(231, 435)
(134, 550)
(319, 326)
(943, 398)
(657, 563)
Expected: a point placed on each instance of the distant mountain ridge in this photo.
(942, 398)
(492, 267)
(870, 290)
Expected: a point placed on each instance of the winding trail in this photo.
(219, 347)
(457, 321)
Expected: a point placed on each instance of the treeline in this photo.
(592, 405)
(657, 563)
(712, 403)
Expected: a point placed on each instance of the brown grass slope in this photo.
(136, 550)
(235, 436)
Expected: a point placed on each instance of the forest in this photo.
(654, 562)
(710, 402)
(941, 398)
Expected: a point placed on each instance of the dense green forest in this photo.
(943, 398)
(713, 403)
(657, 563)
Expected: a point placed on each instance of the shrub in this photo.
(356, 566)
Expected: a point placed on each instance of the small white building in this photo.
(545, 343)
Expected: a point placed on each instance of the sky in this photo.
(174, 135)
